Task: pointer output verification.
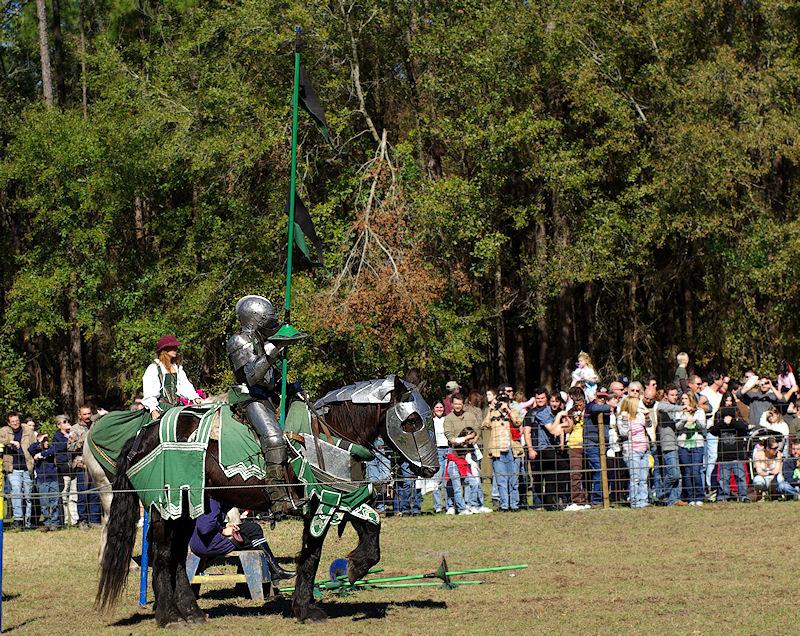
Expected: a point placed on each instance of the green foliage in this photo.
(626, 169)
(13, 392)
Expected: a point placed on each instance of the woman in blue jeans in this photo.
(636, 450)
(690, 425)
(442, 448)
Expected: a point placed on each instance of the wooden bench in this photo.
(252, 570)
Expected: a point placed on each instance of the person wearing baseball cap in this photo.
(165, 381)
(452, 388)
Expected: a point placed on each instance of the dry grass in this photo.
(721, 569)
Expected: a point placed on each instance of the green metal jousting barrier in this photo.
(340, 584)
(442, 573)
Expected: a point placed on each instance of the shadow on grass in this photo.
(355, 610)
(136, 619)
(22, 624)
(9, 597)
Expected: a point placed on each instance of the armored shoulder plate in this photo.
(366, 392)
(240, 350)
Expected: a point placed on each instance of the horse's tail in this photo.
(121, 534)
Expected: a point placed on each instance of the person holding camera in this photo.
(504, 449)
(760, 395)
(44, 458)
(18, 467)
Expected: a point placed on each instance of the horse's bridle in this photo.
(328, 429)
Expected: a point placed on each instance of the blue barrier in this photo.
(145, 561)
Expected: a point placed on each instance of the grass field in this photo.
(722, 569)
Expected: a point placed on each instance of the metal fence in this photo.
(556, 479)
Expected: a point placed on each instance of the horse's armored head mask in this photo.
(409, 428)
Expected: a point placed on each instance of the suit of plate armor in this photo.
(253, 361)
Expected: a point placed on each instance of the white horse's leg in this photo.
(103, 485)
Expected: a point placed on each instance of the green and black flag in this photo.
(304, 232)
(310, 104)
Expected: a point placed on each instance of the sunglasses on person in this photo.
(774, 448)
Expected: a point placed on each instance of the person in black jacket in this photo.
(591, 441)
(67, 482)
(44, 457)
(731, 431)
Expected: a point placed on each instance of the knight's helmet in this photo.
(257, 313)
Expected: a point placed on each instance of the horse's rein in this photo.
(318, 420)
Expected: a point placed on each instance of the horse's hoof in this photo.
(197, 619)
(311, 614)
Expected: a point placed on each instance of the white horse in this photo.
(103, 485)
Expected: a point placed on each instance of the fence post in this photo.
(2, 517)
(144, 562)
(601, 425)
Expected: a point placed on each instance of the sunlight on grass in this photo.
(650, 571)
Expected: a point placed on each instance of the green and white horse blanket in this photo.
(175, 466)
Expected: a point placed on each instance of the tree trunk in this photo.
(84, 87)
(58, 49)
(33, 364)
(65, 376)
(519, 361)
(500, 326)
(546, 370)
(688, 324)
(138, 218)
(590, 311)
(629, 342)
(566, 330)
(565, 307)
(44, 53)
(76, 355)
(75, 346)
(543, 332)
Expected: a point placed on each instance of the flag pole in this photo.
(288, 297)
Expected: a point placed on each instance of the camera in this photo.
(503, 398)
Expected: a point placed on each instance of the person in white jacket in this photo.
(165, 381)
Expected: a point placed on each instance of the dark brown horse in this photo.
(175, 602)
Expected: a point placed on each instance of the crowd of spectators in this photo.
(689, 442)
(692, 441)
(45, 482)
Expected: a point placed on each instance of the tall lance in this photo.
(287, 303)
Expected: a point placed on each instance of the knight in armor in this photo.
(254, 351)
